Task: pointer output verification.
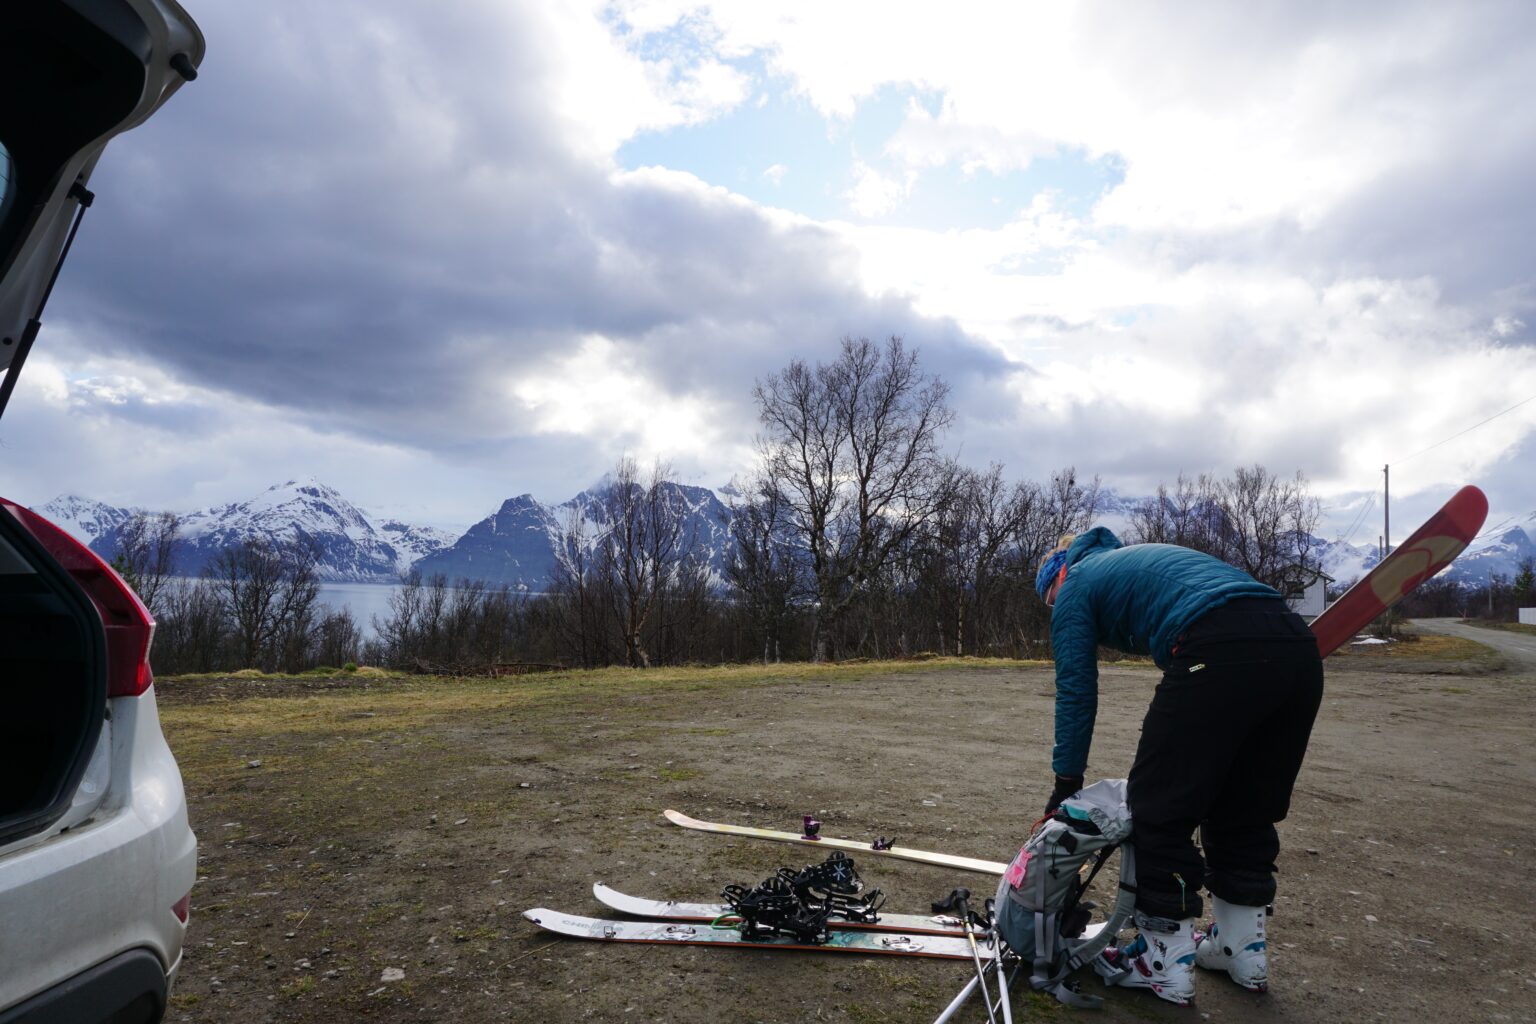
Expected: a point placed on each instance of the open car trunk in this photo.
(74, 74)
(53, 682)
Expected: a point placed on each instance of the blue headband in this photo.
(1048, 571)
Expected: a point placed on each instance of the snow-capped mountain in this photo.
(351, 548)
(516, 544)
(1495, 555)
(412, 543)
(83, 518)
(1345, 562)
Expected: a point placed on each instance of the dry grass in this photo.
(215, 718)
(1457, 655)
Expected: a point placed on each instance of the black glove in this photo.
(1066, 785)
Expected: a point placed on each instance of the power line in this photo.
(1502, 526)
(1370, 503)
(1469, 430)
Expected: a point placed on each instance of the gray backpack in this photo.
(1039, 910)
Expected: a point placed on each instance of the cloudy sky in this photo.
(436, 255)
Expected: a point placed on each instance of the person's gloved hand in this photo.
(1066, 785)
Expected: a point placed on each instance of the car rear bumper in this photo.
(103, 890)
(130, 988)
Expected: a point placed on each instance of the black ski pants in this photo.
(1220, 749)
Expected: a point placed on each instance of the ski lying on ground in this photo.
(943, 947)
(943, 860)
(1428, 550)
(694, 913)
(672, 910)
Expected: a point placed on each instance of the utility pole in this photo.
(1386, 510)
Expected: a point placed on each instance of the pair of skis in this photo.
(710, 924)
(668, 922)
(704, 924)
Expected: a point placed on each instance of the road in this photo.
(1519, 648)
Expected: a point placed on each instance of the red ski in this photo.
(1432, 547)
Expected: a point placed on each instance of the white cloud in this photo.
(438, 258)
(874, 194)
(602, 391)
(1506, 326)
(1225, 117)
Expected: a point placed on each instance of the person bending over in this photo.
(1221, 744)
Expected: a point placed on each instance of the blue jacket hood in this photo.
(1095, 541)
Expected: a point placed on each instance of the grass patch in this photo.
(402, 701)
(389, 740)
(298, 987)
(1446, 653)
(1507, 627)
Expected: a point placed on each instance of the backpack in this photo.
(1039, 911)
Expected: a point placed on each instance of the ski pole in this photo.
(960, 896)
(969, 990)
(1003, 978)
(957, 1002)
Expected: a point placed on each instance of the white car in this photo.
(97, 860)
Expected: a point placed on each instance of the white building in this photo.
(1307, 592)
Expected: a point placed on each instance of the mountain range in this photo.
(516, 544)
(352, 547)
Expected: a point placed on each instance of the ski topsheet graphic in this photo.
(671, 910)
(944, 947)
(943, 860)
(1430, 549)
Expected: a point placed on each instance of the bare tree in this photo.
(145, 555)
(1271, 521)
(1262, 523)
(764, 566)
(337, 638)
(573, 588)
(190, 630)
(640, 551)
(1182, 516)
(968, 545)
(852, 446)
(396, 631)
(268, 591)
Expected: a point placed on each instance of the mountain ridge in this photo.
(517, 543)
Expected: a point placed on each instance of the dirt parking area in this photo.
(378, 828)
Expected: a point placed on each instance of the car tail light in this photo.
(182, 907)
(129, 626)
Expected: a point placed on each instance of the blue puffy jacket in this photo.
(1137, 599)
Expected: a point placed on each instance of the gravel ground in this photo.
(376, 861)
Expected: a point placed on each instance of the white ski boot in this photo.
(1161, 958)
(1235, 943)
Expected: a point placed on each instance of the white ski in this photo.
(671, 910)
(943, 947)
(943, 860)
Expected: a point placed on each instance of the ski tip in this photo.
(676, 817)
(537, 914)
(1475, 499)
